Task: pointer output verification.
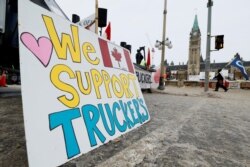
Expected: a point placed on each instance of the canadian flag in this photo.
(115, 56)
(107, 33)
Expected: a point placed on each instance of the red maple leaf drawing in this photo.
(117, 56)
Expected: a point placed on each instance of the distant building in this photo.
(195, 63)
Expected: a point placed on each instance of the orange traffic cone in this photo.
(3, 80)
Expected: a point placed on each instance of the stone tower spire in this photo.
(194, 49)
(195, 25)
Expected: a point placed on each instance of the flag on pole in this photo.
(107, 33)
(88, 23)
(96, 16)
(115, 57)
(236, 62)
(148, 59)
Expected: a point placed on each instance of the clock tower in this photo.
(194, 49)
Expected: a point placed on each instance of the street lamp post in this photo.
(207, 64)
(161, 82)
(160, 45)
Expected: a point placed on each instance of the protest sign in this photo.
(144, 77)
(79, 91)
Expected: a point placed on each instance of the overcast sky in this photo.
(140, 22)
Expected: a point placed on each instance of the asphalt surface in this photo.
(188, 127)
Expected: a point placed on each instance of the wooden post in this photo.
(96, 16)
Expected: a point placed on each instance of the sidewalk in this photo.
(10, 90)
(199, 91)
(13, 90)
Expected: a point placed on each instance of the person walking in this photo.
(220, 80)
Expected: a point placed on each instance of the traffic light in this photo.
(219, 42)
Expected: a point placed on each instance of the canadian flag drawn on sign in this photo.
(115, 56)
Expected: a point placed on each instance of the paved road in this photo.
(188, 128)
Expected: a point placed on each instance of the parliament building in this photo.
(195, 63)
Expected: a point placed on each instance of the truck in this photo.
(9, 50)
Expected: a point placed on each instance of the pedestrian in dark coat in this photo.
(220, 80)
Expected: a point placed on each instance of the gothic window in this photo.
(194, 42)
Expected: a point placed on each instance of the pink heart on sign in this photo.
(41, 48)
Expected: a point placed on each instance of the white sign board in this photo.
(79, 91)
(144, 78)
(224, 73)
(202, 75)
(194, 78)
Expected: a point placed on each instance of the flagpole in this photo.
(96, 16)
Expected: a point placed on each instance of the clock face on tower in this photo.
(194, 33)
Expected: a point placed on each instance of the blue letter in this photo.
(65, 118)
(136, 105)
(91, 122)
(111, 130)
(121, 128)
(146, 111)
(125, 113)
(136, 120)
